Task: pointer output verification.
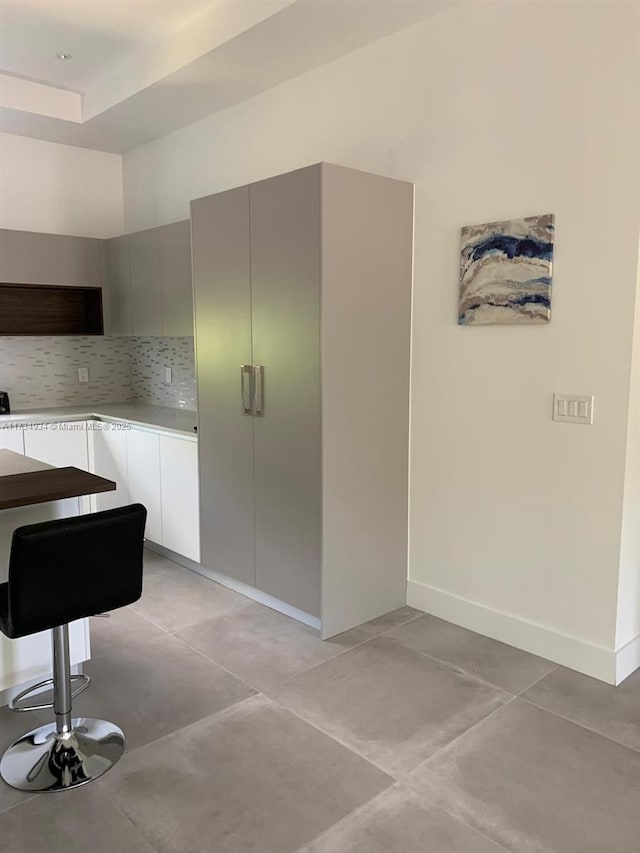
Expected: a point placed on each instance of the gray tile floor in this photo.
(248, 734)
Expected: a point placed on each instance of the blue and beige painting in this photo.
(505, 272)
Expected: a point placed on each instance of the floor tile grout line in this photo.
(334, 738)
(579, 724)
(27, 799)
(473, 674)
(175, 633)
(146, 618)
(192, 624)
(256, 690)
(131, 751)
(325, 832)
(537, 681)
(405, 785)
(399, 786)
(117, 652)
(286, 680)
(454, 740)
(126, 817)
(413, 618)
(457, 669)
(455, 816)
(374, 636)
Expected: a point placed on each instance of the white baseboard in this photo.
(596, 661)
(237, 586)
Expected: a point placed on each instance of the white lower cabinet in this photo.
(143, 474)
(108, 458)
(59, 444)
(12, 439)
(180, 498)
(155, 469)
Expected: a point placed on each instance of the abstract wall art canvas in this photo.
(505, 272)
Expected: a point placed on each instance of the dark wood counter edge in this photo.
(53, 484)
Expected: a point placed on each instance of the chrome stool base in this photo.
(46, 760)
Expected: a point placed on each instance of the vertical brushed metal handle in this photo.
(246, 388)
(258, 390)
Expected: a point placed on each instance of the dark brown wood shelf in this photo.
(53, 484)
(38, 309)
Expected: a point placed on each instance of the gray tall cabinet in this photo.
(302, 287)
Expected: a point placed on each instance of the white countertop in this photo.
(181, 421)
(15, 463)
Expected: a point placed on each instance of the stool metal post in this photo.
(61, 679)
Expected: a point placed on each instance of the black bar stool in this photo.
(60, 571)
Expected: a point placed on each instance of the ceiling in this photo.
(142, 68)
(96, 33)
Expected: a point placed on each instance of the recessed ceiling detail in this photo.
(142, 68)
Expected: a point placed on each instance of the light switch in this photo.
(573, 408)
(167, 376)
(83, 374)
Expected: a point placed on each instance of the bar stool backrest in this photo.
(71, 568)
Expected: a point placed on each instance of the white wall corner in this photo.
(627, 660)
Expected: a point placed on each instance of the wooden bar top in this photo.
(43, 483)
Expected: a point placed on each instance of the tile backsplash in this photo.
(149, 357)
(39, 372)
(43, 371)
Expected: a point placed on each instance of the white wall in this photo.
(59, 189)
(494, 110)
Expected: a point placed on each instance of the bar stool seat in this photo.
(61, 571)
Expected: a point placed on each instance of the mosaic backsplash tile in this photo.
(43, 371)
(149, 357)
(39, 372)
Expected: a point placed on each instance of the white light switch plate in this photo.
(167, 376)
(573, 408)
(83, 374)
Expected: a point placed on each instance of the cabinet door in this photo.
(285, 286)
(118, 286)
(146, 302)
(29, 257)
(174, 243)
(108, 458)
(222, 291)
(143, 475)
(12, 438)
(179, 486)
(59, 444)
